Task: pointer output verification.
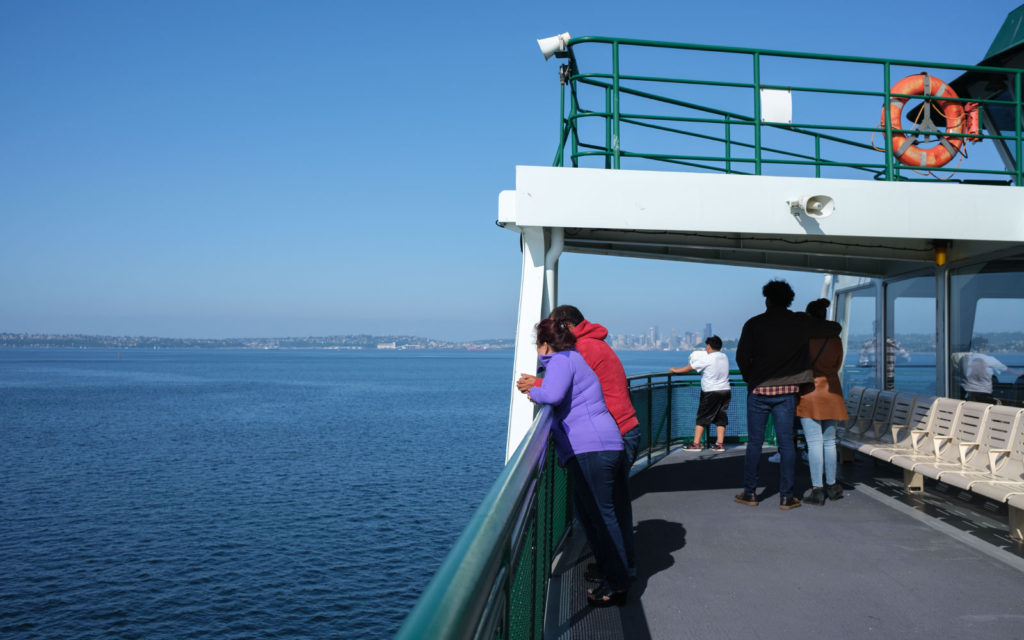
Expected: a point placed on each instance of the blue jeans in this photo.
(782, 409)
(601, 496)
(631, 442)
(821, 449)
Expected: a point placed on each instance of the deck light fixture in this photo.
(813, 206)
(557, 46)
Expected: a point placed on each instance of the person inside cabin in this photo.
(894, 351)
(588, 442)
(590, 342)
(715, 392)
(978, 369)
(821, 407)
(773, 357)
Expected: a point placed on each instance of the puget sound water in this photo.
(239, 494)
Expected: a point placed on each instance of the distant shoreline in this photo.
(329, 343)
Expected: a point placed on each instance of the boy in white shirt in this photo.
(715, 392)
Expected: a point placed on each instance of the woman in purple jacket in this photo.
(588, 442)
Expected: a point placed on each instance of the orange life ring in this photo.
(904, 147)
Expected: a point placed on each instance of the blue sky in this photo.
(216, 168)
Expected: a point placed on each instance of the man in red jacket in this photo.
(602, 359)
(590, 342)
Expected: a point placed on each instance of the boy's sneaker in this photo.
(693, 447)
(718, 447)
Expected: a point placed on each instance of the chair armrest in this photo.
(939, 442)
(896, 429)
(997, 458)
(965, 450)
(917, 436)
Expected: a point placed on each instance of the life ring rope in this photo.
(961, 124)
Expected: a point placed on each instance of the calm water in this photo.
(240, 494)
(220, 494)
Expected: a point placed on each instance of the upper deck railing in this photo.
(701, 108)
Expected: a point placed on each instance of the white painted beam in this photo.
(702, 202)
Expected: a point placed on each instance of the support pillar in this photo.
(531, 310)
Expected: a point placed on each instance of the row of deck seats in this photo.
(975, 446)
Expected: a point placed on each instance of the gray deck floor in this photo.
(879, 563)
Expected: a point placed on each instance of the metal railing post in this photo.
(607, 128)
(650, 420)
(668, 416)
(1017, 108)
(757, 113)
(562, 125)
(817, 156)
(615, 104)
(728, 144)
(888, 122)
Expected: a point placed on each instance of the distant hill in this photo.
(363, 341)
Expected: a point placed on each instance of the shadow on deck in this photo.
(880, 563)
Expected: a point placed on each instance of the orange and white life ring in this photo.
(928, 88)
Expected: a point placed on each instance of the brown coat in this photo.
(825, 400)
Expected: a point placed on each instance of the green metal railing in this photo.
(493, 583)
(853, 151)
(666, 405)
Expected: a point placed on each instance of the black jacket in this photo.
(773, 347)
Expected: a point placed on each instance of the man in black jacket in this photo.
(773, 357)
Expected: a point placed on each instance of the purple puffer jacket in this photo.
(581, 420)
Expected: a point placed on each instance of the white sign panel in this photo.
(776, 106)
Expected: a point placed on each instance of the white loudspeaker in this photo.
(813, 206)
(554, 45)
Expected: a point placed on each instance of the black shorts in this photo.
(712, 408)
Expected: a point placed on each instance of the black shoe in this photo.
(748, 499)
(605, 597)
(834, 491)
(816, 497)
(791, 502)
(592, 574)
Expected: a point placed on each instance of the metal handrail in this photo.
(657, 425)
(471, 596)
(613, 84)
(468, 596)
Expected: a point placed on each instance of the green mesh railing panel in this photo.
(522, 601)
(666, 406)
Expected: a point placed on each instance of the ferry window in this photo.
(910, 335)
(987, 332)
(856, 312)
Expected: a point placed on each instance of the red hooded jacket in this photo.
(596, 352)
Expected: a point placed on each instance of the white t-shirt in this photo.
(977, 372)
(713, 368)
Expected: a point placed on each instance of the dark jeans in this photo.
(601, 496)
(631, 441)
(782, 409)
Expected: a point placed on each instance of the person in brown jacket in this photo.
(821, 407)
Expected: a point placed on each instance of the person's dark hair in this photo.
(818, 308)
(778, 293)
(566, 313)
(556, 334)
(714, 342)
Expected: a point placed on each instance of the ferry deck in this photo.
(760, 168)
